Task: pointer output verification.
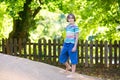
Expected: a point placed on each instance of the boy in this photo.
(69, 49)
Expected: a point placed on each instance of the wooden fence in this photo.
(91, 53)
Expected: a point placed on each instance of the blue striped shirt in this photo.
(71, 30)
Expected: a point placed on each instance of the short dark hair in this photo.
(73, 16)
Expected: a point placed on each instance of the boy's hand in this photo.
(73, 49)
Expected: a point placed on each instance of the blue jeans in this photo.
(67, 53)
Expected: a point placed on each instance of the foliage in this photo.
(97, 18)
(50, 27)
(5, 21)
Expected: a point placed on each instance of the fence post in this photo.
(119, 53)
(20, 46)
(101, 53)
(24, 41)
(39, 50)
(86, 53)
(34, 52)
(115, 53)
(10, 45)
(3, 46)
(91, 53)
(15, 47)
(78, 50)
(45, 50)
(110, 54)
(82, 51)
(49, 51)
(59, 49)
(106, 53)
(29, 44)
(54, 51)
(96, 52)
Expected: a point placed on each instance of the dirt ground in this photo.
(103, 73)
(15, 68)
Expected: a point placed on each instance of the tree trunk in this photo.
(22, 25)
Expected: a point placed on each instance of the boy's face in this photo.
(71, 19)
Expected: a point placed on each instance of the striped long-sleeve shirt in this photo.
(71, 30)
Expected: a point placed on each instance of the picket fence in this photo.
(90, 53)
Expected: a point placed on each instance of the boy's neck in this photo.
(72, 24)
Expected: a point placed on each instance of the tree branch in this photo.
(36, 11)
(40, 1)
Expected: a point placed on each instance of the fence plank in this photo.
(24, 48)
(78, 49)
(91, 53)
(101, 53)
(115, 53)
(49, 52)
(86, 53)
(106, 53)
(45, 50)
(7, 46)
(35, 52)
(20, 47)
(96, 52)
(59, 49)
(40, 49)
(3, 46)
(110, 54)
(54, 52)
(82, 52)
(15, 47)
(119, 54)
(11, 46)
(29, 49)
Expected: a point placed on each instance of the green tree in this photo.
(90, 14)
(97, 14)
(23, 13)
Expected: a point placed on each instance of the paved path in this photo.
(15, 68)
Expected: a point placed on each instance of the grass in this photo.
(103, 73)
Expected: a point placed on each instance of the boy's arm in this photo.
(76, 39)
(76, 42)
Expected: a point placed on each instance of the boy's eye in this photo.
(70, 18)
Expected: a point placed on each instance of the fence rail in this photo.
(91, 53)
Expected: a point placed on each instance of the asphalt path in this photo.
(16, 68)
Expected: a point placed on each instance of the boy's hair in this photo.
(73, 16)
